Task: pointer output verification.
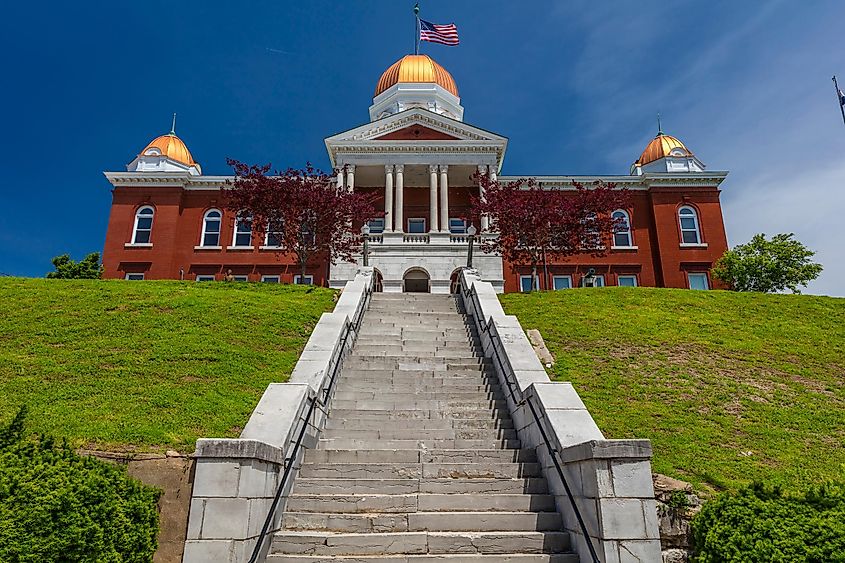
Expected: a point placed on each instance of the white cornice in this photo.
(644, 182)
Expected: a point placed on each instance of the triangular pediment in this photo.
(434, 126)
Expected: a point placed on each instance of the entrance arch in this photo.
(378, 281)
(416, 280)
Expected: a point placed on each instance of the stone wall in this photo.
(609, 480)
(236, 480)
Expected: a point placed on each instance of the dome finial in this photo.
(659, 127)
(173, 126)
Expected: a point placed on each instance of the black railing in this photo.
(350, 331)
(508, 375)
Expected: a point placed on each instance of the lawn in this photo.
(729, 387)
(147, 365)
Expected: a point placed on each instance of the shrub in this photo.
(762, 523)
(56, 505)
(89, 268)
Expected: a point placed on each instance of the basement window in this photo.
(626, 281)
(135, 277)
(270, 279)
(698, 280)
(562, 282)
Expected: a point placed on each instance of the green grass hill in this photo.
(147, 365)
(730, 387)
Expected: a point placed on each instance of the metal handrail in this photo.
(351, 328)
(553, 452)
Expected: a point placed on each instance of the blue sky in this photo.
(574, 85)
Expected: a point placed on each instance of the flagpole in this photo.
(417, 29)
(839, 98)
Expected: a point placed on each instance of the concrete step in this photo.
(391, 433)
(409, 470)
(419, 543)
(418, 404)
(419, 456)
(318, 486)
(344, 443)
(389, 414)
(351, 384)
(442, 377)
(396, 393)
(423, 521)
(428, 558)
(411, 428)
(414, 502)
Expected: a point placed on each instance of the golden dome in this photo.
(661, 146)
(416, 68)
(172, 147)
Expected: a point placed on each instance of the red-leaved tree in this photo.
(537, 226)
(302, 212)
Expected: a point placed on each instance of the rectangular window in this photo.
(243, 232)
(457, 226)
(135, 277)
(274, 234)
(307, 280)
(626, 281)
(562, 282)
(205, 278)
(144, 229)
(698, 281)
(592, 281)
(416, 225)
(526, 285)
(240, 278)
(270, 279)
(376, 226)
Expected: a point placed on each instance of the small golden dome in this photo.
(661, 146)
(172, 147)
(416, 68)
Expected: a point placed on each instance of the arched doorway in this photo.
(416, 280)
(378, 281)
(453, 281)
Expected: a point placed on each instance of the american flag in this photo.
(443, 34)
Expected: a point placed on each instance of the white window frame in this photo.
(149, 231)
(205, 220)
(528, 276)
(627, 276)
(564, 277)
(702, 275)
(696, 223)
(416, 220)
(308, 277)
(461, 230)
(598, 280)
(267, 232)
(271, 279)
(206, 278)
(240, 278)
(237, 231)
(626, 233)
(134, 276)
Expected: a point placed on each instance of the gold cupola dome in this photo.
(416, 69)
(170, 146)
(662, 146)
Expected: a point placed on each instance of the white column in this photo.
(388, 197)
(340, 178)
(485, 219)
(432, 198)
(492, 169)
(400, 199)
(444, 198)
(350, 177)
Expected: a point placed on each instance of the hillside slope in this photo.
(729, 387)
(113, 364)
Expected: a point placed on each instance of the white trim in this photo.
(696, 226)
(135, 225)
(128, 274)
(693, 245)
(240, 248)
(206, 278)
(272, 278)
(625, 247)
(561, 277)
(240, 278)
(632, 276)
(236, 232)
(628, 232)
(198, 247)
(536, 279)
(308, 277)
(274, 248)
(205, 231)
(697, 274)
(138, 245)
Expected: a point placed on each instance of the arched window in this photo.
(622, 229)
(273, 237)
(211, 228)
(243, 231)
(690, 230)
(143, 225)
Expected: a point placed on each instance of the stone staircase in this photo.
(419, 461)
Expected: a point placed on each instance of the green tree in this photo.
(89, 268)
(768, 265)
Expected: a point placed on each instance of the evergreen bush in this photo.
(56, 505)
(762, 523)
